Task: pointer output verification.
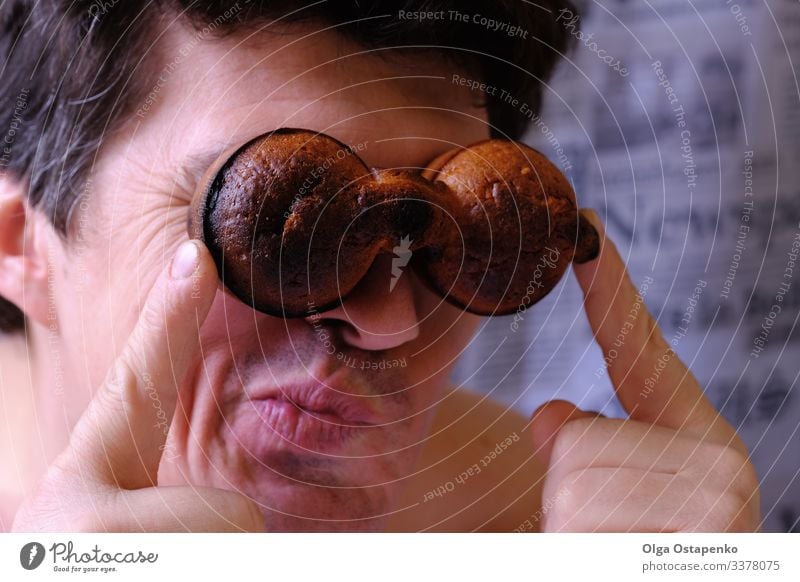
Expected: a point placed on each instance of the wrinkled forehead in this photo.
(206, 94)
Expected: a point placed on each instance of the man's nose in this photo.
(379, 313)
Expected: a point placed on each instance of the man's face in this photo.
(319, 420)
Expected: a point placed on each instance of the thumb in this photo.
(548, 419)
(124, 429)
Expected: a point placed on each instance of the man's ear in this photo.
(23, 252)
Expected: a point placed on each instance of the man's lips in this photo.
(324, 402)
(316, 416)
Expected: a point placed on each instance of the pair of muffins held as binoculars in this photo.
(294, 219)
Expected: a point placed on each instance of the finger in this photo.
(652, 384)
(184, 509)
(120, 438)
(585, 444)
(154, 509)
(548, 420)
(634, 500)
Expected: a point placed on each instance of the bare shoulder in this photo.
(477, 471)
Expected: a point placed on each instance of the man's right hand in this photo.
(106, 478)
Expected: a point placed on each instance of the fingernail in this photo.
(186, 261)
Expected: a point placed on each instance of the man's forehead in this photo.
(227, 91)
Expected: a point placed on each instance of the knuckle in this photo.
(734, 503)
(153, 314)
(652, 337)
(718, 498)
(133, 359)
(730, 457)
(731, 468)
(151, 324)
(748, 479)
(726, 512)
(569, 435)
(658, 354)
(121, 386)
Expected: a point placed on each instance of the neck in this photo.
(57, 403)
(17, 403)
(33, 429)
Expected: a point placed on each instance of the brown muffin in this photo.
(294, 219)
(518, 228)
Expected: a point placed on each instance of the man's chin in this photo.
(297, 491)
(334, 479)
(298, 507)
(280, 522)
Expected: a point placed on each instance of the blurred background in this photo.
(679, 122)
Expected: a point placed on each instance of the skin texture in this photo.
(118, 345)
(136, 208)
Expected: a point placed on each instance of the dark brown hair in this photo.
(72, 70)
